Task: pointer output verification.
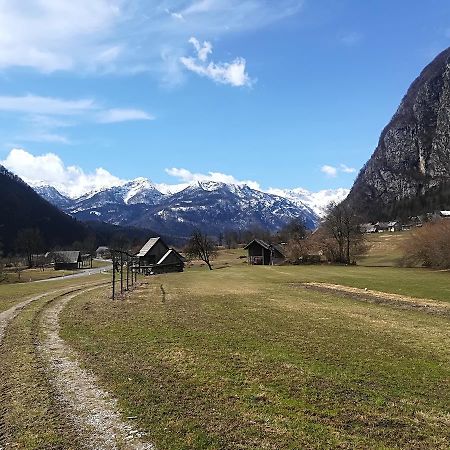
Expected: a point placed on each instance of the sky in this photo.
(283, 94)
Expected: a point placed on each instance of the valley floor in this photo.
(240, 357)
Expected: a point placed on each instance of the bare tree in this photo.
(28, 242)
(201, 247)
(342, 225)
(428, 246)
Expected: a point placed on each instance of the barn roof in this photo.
(148, 246)
(69, 257)
(279, 248)
(169, 252)
(259, 242)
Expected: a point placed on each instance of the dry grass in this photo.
(244, 358)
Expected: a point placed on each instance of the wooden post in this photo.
(113, 275)
(128, 272)
(121, 273)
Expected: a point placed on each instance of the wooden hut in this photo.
(261, 253)
(156, 257)
(67, 260)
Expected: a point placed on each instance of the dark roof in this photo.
(170, 252)
(69, 257)
(259, 242)
(279, 248)
(148, 246)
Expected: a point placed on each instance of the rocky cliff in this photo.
(409, 172)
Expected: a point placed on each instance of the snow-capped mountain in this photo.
(316, 201)
(53, 196)
(220, 206)
(213, 206)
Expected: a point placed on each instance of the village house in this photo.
(157, 257)
(261, 253)
(444, 214)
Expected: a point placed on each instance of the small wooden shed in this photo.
(67, 260)
(156, 257)
(261, 253)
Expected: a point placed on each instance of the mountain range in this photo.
(214, 207)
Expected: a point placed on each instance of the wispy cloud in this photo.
(49, 169)
(233, 73)
(124, 36)
(45, 115)
(333, 171)
(123, 115)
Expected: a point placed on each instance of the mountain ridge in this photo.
(412, 159)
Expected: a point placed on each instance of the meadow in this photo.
(251, 358)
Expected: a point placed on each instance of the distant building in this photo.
(103, 253)
(368, 228)
(445, 214)
(261, 253)
(391, 227)
(67, 260)
(157, 257)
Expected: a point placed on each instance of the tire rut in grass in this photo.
(400, 301)
(92, 409)
(30, 415)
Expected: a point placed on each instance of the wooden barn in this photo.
(157, 257)
(67, 260)
(261, 253)
(172, 261)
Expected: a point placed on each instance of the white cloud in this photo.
(34, 104)
(49, 169)
(329, 170)
(50, 35)
(332, 171)
(45, 115)
(233, 73)
(120, 35)
(123, 115)
(188, 177)
(347, 169)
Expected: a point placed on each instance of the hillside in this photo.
(21, 207)
(409, 172)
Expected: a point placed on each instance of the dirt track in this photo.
(402, 301)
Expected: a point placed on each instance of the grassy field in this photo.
(385, 249)
(16, 292)
(247, 357)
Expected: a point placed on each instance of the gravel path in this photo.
(427, 305)
(93, 410)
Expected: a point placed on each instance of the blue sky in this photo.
(288, 93)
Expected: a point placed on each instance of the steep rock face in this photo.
(412, 159)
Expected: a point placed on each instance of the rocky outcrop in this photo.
(412, 161)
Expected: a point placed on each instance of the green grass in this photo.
(244, 357)
(385, 249)
(17, 292)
